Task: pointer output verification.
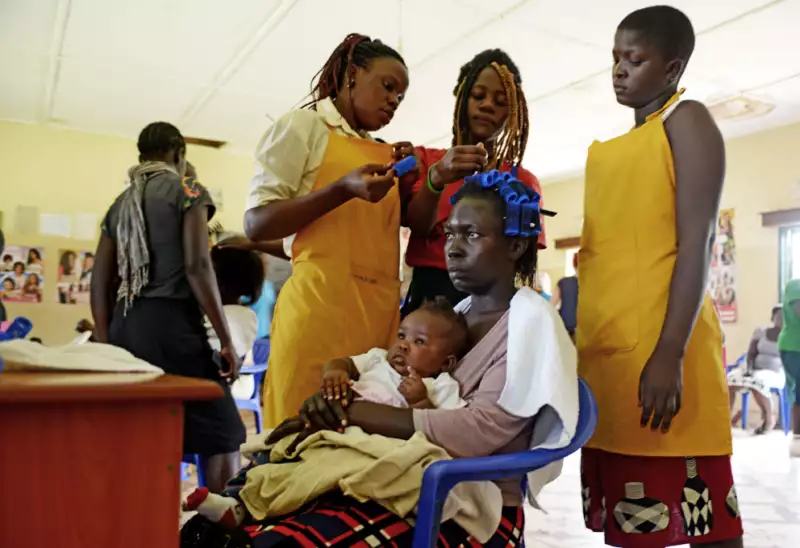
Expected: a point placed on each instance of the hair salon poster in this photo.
(722, 274)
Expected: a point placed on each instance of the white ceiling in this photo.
(224, 69)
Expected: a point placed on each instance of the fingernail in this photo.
(344, 423)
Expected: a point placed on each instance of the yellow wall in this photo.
(762, 172)
(67, 172)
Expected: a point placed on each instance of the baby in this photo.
(414, 372)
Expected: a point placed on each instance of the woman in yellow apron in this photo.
(326, 188)
(657, 471)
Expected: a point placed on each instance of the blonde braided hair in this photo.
(510, 144)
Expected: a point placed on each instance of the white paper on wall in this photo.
(51, 224)
(86, 226)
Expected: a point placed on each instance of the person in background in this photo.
(66, 265)
(32, 289)
(658, 469)
(34, 261)
(8, 263)
(240, 275)
(264, 306)
(544, 285)
(326, 189)
(151, 289)
(19, 274)
(490, 131)
(762, 371)
(789, 346)
(565, 299)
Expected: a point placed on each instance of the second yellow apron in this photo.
(343, 297)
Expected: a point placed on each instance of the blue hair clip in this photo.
(523, 215)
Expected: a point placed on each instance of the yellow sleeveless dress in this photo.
(628, 251)
(343, 296)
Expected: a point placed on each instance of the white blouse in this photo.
(290, 154)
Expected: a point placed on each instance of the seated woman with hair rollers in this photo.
(491, 246)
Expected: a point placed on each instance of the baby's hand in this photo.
(336, 385)
(413, 389)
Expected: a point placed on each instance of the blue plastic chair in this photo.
(784, 409)
(260, 359)
(440, 477)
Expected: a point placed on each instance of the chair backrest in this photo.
(260, 351)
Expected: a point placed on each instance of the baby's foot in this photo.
(226, 511)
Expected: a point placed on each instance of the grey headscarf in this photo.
(133, 258)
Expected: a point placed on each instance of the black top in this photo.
(568, 287)
(166, 200)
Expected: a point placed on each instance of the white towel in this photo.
(23, 355)
(541, 378)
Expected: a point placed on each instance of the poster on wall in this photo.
(74, 276)
(722, 274)
(22, 274)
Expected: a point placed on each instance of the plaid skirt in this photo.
(340, 521)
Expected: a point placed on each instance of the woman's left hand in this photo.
(323, 414)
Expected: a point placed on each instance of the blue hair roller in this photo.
(404, 166)
(523, 215)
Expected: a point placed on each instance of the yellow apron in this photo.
(343, 296)
(628, 252)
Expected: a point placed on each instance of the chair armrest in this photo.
(252, 369)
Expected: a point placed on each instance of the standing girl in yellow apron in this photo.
(326, 188)
(657, 472)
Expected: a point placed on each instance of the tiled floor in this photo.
(767, 481)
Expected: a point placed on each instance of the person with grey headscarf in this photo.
(153, 281)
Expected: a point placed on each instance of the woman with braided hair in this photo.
(327, 189)
(490, 131)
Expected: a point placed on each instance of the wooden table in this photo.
(92, 459)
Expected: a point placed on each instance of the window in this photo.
(788, 256)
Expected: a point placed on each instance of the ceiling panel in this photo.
(595, 22)
(26, 26)
(110, 99)
(20, 98)
(423, 18)
(194, 37)
(282, 67)
(768, 54)
(237, 118)
(784, 95)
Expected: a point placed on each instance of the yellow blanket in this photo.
(365, 467)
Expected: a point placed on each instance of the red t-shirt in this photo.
(428, 250)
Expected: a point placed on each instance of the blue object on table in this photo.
(18, 329)
(404, 166)
(258, 369)
(442, 476)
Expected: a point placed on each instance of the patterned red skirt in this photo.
(641, 502)
(340, 521)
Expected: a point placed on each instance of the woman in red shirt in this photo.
(490, 131)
